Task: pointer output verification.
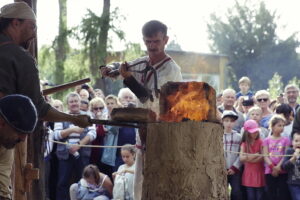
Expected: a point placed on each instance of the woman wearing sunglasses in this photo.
(262, 99)
(97, 108)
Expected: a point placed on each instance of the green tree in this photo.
(133, 51)
(75, 67)
(275, 86)
(174, 46)
(94, 34)
(248, 36)
(295, 81)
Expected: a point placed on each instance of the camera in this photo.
(76, 153)
(85, 86)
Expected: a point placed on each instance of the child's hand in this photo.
(276, 170)
(295, 155)
(230, 172)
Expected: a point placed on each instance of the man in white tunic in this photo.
(155, 38)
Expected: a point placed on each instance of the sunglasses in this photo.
(262, 99)
(98, 108)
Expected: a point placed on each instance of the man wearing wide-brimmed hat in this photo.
(18, 71)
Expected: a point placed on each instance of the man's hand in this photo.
(104, 72)
(73, 149)
(124, 70)
(81, 121)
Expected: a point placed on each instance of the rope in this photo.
(263, 155)
(86, 145)
(101, 146)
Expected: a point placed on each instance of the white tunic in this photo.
(167, 70)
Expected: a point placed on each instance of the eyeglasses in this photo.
(262, 99)
(98, 108)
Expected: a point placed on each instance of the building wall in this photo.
(210, 68)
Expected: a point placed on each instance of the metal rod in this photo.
(114, 123)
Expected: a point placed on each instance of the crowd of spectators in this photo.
(261, 142)
(253, 123)
(75, 172)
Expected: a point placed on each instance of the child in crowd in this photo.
(93, 185)
(288, 114)
(255, 114)
(244, 85)
(292, 165)
(253, 175)
(123, 188)
(84, 105)
(109, 155)
(232, 141)
(275, 145)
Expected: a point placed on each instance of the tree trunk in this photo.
(61, 45)
(102, 49)
(184, 161)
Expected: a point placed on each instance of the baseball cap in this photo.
(18, 10)
(230, 113)
(251, 126)
(19, 112)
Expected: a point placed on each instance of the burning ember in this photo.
(189, 100)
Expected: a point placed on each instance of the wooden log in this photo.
(19, 189)
(30, 174)
(184, 161)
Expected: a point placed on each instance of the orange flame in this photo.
(187, 103)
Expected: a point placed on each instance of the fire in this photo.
(188, 102)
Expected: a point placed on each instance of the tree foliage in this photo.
(174, 46)
(248, 36)
(93, 32)
(75, 67)
(275, 86)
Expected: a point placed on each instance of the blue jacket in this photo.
(110, 139)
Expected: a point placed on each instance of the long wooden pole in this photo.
(65, 86)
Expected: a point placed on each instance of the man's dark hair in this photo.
(4, 23)
(153, 27)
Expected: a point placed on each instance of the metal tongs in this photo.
(144, 73)
(115, 123)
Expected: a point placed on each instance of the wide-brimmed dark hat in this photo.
(19, 112)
